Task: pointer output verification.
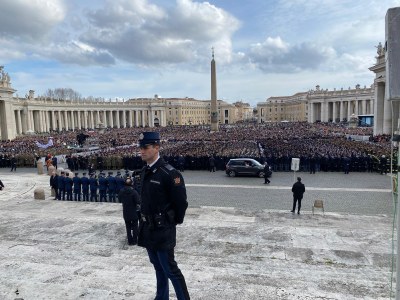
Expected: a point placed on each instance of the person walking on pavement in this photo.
(130, 206)
(266, 173)
(298, 190)
(163, 206)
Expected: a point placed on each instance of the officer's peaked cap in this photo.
(147, 138)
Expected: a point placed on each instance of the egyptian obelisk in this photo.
(214, 111)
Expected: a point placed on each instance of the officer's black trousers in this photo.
(166, 267)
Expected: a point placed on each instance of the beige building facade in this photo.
(318, 105)
(20, 116)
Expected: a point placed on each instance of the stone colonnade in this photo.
(339, 110)
(34, 119)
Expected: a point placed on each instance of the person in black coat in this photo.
(13, 163)
(130, 206)
(266, 173)
(298, 190)
(54, 184)
(163, 206)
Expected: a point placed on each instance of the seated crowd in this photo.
(327, 144)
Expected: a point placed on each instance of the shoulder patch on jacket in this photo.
(169, 167)
(177, 180)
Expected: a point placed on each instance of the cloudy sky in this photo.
(139, 48)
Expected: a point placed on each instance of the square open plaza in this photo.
(238, 240)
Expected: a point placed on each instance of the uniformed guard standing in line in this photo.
(68, 186)
(163, 206)
(126, 175)
(61, 186)
(93, 183)
(111, 187)
(103, 188)
(120, 183)
(77, 187)
(85, 187)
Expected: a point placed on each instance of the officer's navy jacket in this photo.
(162, 191)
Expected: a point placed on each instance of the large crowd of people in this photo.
(327, 145)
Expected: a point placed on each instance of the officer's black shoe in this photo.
(298, 212)
(292, 211)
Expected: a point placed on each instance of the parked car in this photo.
(245, 167)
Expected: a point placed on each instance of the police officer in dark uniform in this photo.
(77, 187)
(61, 186)
(103, 188)
(93, 183)
(120, 183)
(111, 187)
(68, 186)
(163, 206)
(85, 187)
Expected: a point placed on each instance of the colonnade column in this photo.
(357, 111)
(66, 120)
(136, 116)
(18, 121)
(97, 118)
(124, 119)
(117, 119)
(387, 117)
(129, 118)
(72, 120)
(53, 123)
(378, 107)
(334, 111)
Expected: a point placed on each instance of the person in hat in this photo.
(93, 184)
(103, 187)
(54, 184)
(120, 183)
(111, 187)
(163, 206)
(61, 186)
(68, 186)
(130, 203)
(85, 187)
(298, 190)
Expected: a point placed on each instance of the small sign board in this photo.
(295, 164)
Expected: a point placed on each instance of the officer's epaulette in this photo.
(169, 167)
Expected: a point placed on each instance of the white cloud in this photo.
(145, 34)
(275, 55)
(29, 19)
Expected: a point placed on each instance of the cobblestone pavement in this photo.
(235, 242)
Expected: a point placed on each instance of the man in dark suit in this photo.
(298, 190)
